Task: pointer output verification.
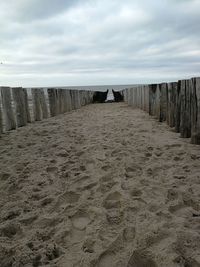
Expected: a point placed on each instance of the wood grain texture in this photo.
(20, 108)
(8, 113)
(195, 111)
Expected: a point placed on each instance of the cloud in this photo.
(97, 42)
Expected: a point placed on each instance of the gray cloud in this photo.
(97, 42)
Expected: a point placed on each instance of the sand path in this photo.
(104, 186)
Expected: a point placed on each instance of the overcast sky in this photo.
(87, 42)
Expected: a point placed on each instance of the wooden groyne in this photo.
(177, 103)
(18, 108)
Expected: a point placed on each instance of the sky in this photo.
(97, 42)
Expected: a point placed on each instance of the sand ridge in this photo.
(103, 186)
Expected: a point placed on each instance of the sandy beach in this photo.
(102, 186)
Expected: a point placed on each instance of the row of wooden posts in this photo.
(16, 107)
(177, 103)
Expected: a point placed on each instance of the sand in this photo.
(104, 186)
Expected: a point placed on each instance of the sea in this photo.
(91, 88)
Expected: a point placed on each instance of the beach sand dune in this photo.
(103, 186)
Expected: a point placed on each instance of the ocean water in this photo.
(93, 87)
(90, 88)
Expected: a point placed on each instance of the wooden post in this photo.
(75, 99)
(195, 111)
(81, 96)
(36, 104)
(63, 101)
(68, 101)
(1, 121)
(20, 110)
(177, 107)
(185, 112)
(171, 103)
(60, 101)
(43, 104)
(64, 93)
(163, 102)
(52, 101)
(10, 123)
(27, 111)
(72, 93)
(125, 95)
(78, 99)
(147, 98)
(134, 97)
(130, 96)
(152, 99)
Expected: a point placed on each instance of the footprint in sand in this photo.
(171, 195)
(132, 170)
(113, 200)
(135, 192)
(69, 197)
(172, 146)
(10, 229)
(129, 233)
(106, 167)
(148, 155)
(80, 220)
(114, 216)
(4, 176)
(107, 259)
(189, 201)
(51, 169)
(141, 259)
(176, 207)
(106, 183)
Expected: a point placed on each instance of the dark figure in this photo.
(100, 97)
(118, 96)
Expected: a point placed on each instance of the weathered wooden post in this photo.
(65, 104)
(157, 102)
(27, 111)
(43, 104)
(1, 121)
(136, 96)
(185, 108)
(126, 95)
(78, 99)
(52, 101)
(72, 93)
(36, 104)
(163, 102)
(64, 100)
(10, 123)
(60, 101)
(147, 98)
(20, 109)
(84, 98)
(131, 96)
(171, 102)
(195, 111)
(81, 97)
(177, 107)
(68, 101)
(141, 97)
(152, 99)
